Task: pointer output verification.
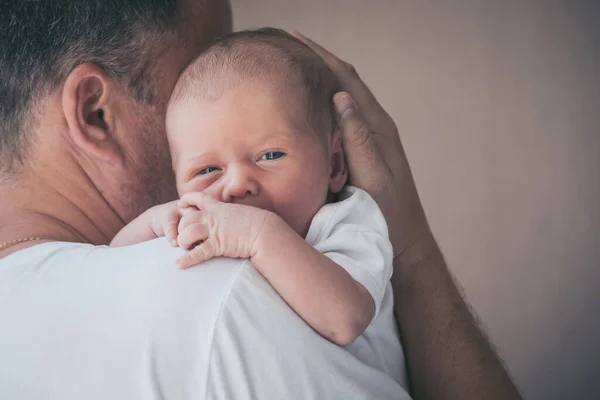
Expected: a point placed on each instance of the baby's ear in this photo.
(338, 171)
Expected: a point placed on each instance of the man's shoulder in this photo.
(130, 305)
(215, 331)
(151, 268)
(143, 278)
(262, 349)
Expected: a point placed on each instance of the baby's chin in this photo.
(304, 230)
(301, 223)
(302, 227)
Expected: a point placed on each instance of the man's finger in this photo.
(355, 130)
(359, 146)
(325, 54)
(374, 113)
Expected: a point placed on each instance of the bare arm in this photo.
(321, 292)
(447, 355)
(155, 222)
(318, 289)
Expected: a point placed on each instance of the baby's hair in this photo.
(262, 55)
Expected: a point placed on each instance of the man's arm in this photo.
(447, 355)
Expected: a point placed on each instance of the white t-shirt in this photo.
(91, 322)
(353, 233)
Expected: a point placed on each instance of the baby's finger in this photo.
(170, 227)
(171, 232)
(197, 199)
(198, 254)
(192, 216)
(192, 235)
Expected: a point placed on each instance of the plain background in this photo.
(498, 106)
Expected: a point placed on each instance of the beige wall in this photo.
(498, 105)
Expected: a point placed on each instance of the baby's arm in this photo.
(158, 221)
(318, 289)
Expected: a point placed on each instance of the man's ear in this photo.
(339, 172)
(88, 102)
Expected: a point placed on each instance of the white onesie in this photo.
(353, 233)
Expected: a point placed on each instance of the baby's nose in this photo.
(240, 185)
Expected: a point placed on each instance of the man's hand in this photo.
(212, 228)
(377, 162)
(447, 356)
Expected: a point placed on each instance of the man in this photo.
(83, 151)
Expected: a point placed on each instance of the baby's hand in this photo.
(216, 229)
(164, 221)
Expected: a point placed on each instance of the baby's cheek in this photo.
(197, 185)
(187, 187)
(300, 208)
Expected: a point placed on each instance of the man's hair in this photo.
(42, 41)
(266, 54)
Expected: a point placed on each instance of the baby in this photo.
(260, 168)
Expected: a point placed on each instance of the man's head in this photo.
(87, 82)
(251, 121)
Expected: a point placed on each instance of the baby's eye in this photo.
(206, 170)
(272, 155)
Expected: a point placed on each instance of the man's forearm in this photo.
(447, 355)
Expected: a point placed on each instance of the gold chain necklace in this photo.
(7, 245)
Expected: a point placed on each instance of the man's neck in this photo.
(59, 211)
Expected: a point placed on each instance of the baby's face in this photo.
(253, 146)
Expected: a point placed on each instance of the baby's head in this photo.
(251, 121)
